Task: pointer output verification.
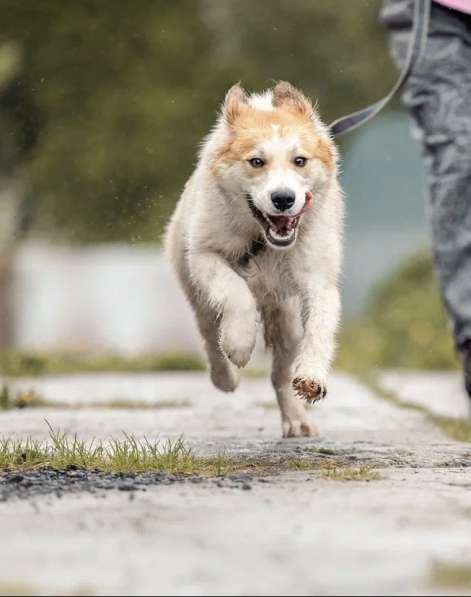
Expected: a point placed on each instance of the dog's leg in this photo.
(224, 374)
(227, 294)
(282, 333)
(321, 310)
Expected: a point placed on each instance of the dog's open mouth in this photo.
(280, 231)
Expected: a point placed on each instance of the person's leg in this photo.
(438, 97)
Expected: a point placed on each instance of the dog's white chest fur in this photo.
(268, 275)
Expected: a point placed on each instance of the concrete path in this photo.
(440, 392)
(297, 534)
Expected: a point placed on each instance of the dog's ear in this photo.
(287, 96)
(234, 104)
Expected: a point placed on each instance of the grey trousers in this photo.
(438, 97)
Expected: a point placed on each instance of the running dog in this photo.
(257, 237)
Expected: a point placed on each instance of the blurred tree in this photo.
(19, 130)
(334, 50)
(125, 90)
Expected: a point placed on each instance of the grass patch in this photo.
(404, 326)
(5, 398)
(135, 404)
(334, 469)
(458, 429)
(30, 364)
(449, 575)
(128, 454)
(15, 364)
(350, 473)
(455, 428)
(132, 455)
(10, 400)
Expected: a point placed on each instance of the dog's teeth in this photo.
(279, 236)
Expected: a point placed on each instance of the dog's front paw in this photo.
(238, 333)
(224, 375)
(310, 389)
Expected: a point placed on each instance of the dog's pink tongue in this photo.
(280, 221)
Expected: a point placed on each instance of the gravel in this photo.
(51, 481)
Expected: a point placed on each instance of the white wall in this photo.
(119, 298)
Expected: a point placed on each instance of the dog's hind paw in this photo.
(299, 428)
(311, 390)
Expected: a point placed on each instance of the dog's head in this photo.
(277, 158)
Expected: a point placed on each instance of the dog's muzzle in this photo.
(280, 230)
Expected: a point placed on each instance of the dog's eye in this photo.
(300, 162)
(256, 162)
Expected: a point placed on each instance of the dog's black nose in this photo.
(283, 199)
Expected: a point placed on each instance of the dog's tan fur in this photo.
(292, 291)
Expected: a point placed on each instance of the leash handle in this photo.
(416, 50)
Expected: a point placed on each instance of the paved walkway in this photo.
(440, 392)
(298, 534)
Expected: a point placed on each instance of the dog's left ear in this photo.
(287, 96)
(234, 104)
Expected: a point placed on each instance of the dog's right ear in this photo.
(289, 97)
(234, 104)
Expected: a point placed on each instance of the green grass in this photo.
(5, 398)
(16, 364)
(131, 404)
(350, 473)
(450, 575)
(131, 454)
(10, 400)
(458, 429)
(31, 364)
(128, 454)
(404, 326)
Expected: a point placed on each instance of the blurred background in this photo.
(102, 107)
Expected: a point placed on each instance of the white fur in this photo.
(294, 291)
(262, 101)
